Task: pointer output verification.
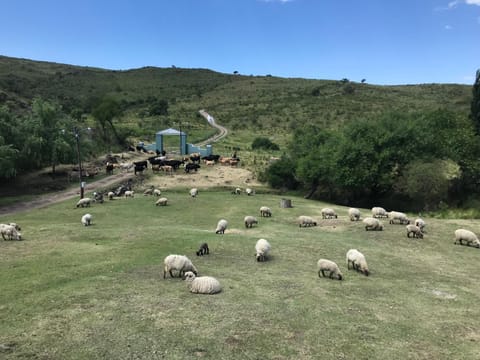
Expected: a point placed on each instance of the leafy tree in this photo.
(281, 174)
(7, 159)
(104, 113)
(264, 143)
(475, 108)
(158, 107)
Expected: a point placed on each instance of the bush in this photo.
(264, 143)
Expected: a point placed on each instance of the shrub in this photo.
(264, 143)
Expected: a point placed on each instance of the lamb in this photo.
(202, 284)
(328, 213)
(249, 191)
(398, 216)
(421, 224)
(372, 224)
(85, 202)
(414, 230)
(129, 193)
(203, 250)
(379, 212)
(110, 195)
(221, 226)
(87, 220)
(179, 263)
(194, 192)
(250, 221)
(304, 221)
(328, 265)
(265, 211)
(161, 202)
(262, 248)
(354, 214)
(157, 192)
(468, 236)
(10, 232)
(357, 259)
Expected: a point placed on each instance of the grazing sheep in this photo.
(328, 213)
(237, 191)
(16, 226)
(10, 232)
(372, 224)
(468, 236)
(398, 216)
(265, 211)
(414, 230)
(250, 221)
(87, 219)
(203, 250)
(194, 192)
(110, 195)
(85, 202)
(129, 193)
(157, 192)
(202, 284)
(262, 248)
(221, 226)
(379, 212)
(357, 259)
(249, 191)
(179, 263)
(161, 202)
(421, 224)
(148, 191)
(304, 221)
(354, 214)
(331, 267)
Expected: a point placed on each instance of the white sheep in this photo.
(237, 191)
(328, 213)
(250, 221)
(157, 192)
(87, 219)
(179, 263)
(332, 268)
(110, 195)
(468, 236)
(148, 191)
(16, 226)
(202, 284)
(85, 202)
(372, 224)
(221, 226)
(414, 230)
(304, 221)
(420, 223)
(194, 192)
(129, 193)
(262, 248)
(379, 212)
(357, 260)
(265, 211)
(249, 191)
(354, 214)
(161, 202)
(398, 216)
(9, 232)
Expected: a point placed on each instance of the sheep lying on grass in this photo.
(329, 266)
(203, 250)
(87, 220)
(414, 230)
(357, 260)
(354, 214)
(372, 224)
(179, 263)
(10, 232)
(328, 213)
(265, 211)
(250, 221)
(262, 248)
(467, 236)
(304, 221)
(161, 202)
(221, 226)
(202, 284)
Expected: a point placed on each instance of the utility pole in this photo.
(77, 138)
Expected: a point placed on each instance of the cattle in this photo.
(191, 166)
(195, 158)
(109, 168)
(140, 166)
(211, 157)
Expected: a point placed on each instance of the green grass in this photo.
(74, 292)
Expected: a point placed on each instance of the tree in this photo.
(104, 113)
(264, 143)
(475, 108)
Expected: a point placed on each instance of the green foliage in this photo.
(264, 143)
(158, 107)
(281, 174)
(475, 107)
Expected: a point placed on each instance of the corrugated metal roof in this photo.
(170, 131)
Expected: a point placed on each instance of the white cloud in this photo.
(472, 2)
(453, 4)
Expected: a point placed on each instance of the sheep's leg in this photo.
(323, 273)
(3, 235)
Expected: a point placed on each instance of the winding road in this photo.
(48, 199)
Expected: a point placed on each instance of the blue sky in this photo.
(386, 42)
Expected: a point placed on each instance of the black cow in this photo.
(174, 163)
(191, 166)
(195, 158)
(211, 157)
(140, 166)
(109, 168)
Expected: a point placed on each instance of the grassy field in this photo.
(74, 292)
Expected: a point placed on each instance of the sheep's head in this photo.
(189, 276)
